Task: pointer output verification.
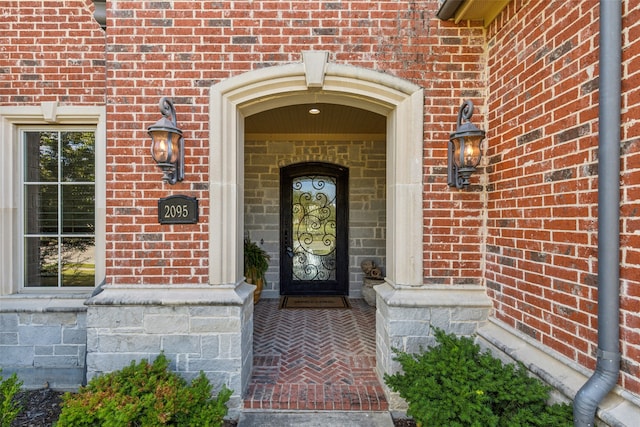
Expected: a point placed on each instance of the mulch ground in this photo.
(41, 408)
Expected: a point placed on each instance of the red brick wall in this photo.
(541, 260)
(51, 51)
(179, 49)
(156, 50)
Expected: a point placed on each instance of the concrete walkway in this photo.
(250, 418)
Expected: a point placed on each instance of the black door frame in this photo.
(339, 286)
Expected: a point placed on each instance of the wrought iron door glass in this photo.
(314, 228)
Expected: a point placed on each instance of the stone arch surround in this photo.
(260, 90)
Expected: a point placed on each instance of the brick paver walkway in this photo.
(316, 359)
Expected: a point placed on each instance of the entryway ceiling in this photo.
(332, 118)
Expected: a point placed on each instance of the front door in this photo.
(314, 255)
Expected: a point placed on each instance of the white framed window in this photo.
(52, 201)
(58, 206)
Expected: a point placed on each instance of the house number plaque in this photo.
(178, 209)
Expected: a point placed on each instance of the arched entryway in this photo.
(316, 80)
(293, 139)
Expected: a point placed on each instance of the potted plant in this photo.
(256, 263)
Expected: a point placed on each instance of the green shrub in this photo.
(144, 394)
(454, 384)
(9, 406)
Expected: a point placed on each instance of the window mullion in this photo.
(60, 209)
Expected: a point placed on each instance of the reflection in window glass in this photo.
(78, 265)
(59, 207)
(41, 266)
(77, 157)
(41, 156)
(41, 203)
(77, 209)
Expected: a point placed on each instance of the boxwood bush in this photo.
(10, 407)
(455, 384)
(144, 394)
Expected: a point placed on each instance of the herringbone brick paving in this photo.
(316, 359)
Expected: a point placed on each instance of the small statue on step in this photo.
(370, 269)
(372, 277)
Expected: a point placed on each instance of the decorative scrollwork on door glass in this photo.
(314, 228)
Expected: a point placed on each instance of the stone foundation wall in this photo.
(44, 346)
(405, 318)
(618, 408)
(198, 329)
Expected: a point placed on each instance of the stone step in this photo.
(314, 419)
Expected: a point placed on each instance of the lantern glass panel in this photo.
(160, 145)
(472, 152)
(456, 151)
(175, 147)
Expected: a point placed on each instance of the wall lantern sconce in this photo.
(464, 148)
(167, 145)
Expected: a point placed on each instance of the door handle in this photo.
(289, 251)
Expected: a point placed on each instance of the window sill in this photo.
(44, 303)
